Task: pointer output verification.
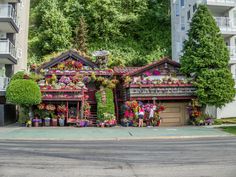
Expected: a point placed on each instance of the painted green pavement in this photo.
(115, 133)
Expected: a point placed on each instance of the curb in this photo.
(119, 138)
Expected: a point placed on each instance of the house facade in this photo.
(224, 12)
(68, 82)
(14, 20)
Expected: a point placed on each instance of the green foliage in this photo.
(135, 32)
(230, 129)
(23, 92)
(81, 35)
(50, 32)
(215, 87)
(23, 115)
(205, 55)
(107, 107)
(18, 75)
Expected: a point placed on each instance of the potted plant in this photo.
(54, 120)
(62, 120)
(47, 121)
(36, 122)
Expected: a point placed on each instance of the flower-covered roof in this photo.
(71, 54)
(123, 70)
(166, 64)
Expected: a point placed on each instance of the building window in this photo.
(182, 3)
(188, 15)
(177, 11)
(182, 23)
(194, 7)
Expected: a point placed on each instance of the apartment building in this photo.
(224, 12)
(14, 22)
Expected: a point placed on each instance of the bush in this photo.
(18, 75)
(217, 122)
(108, 107)
(23, 92)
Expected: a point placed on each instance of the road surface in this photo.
(152, 158)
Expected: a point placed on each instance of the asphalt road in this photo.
(159, 158)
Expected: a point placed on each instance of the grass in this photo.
(229, 120)
(230, 129)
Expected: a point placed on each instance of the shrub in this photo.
(23, 92)
(107, 107)
(18, 75)
(217, 122)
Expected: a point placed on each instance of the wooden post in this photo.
(82, 105)
(67, 112)
(154, 100)
(77, 115)
(116, 104)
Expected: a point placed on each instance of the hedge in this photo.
(108, 107)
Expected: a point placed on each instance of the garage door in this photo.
(175, 114)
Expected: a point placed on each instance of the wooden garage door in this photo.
(174, 114)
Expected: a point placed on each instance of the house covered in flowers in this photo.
(70, 83)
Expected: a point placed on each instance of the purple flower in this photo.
(156, 72)
(65, 80)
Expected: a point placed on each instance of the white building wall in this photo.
(182, 12)
(22, 36)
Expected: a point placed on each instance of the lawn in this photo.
(229, 120)
(230, 129)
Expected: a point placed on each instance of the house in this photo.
(159, 82)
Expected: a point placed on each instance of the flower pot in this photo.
(62, 122)
(54, 122)
(47, 122)
(35, 122)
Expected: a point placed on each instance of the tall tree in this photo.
(53, 30)
(81, 35)
(205, 55)
(132, 30)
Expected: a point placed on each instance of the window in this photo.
(182, 23)
(182, 3)
(177, 12)
(194, 7)
(188, 15)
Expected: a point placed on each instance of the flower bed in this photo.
(131, 114)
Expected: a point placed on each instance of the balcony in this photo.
(4, 81)
(220, 6)
(7, 52)
(232, 50)
(226, 26)
(8, 19)
(230, 3)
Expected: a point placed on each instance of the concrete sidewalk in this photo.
(115, 133)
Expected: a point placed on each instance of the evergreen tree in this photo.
(205, 55)
(81, 35)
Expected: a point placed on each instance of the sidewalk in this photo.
(115, 133)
